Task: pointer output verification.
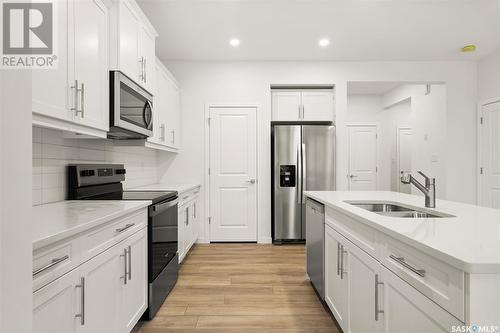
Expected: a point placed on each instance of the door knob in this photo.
(352, 176)
(251, 181)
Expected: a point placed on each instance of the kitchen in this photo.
(210, 95)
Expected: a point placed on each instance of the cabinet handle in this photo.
(53, 263)
(124, 277)
(377, 311)
(342, 261)
(194, 210)
(130, 225)
(130, 262)
(81, 315)
(173, 136)
(75, 98)
(303, 111)
(338, 259)
(402, 262)
(187, 216)
(145, 71)
(300, 111)
(162, 132)
(82, 101)
(141, 74)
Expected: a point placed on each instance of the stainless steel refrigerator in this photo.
(303, 159)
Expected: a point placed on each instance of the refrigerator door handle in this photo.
(299, 176)
(304, 173)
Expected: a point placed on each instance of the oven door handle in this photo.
(164, 206)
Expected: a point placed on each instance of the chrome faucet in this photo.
(429, 189)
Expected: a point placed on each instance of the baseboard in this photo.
(265, 240)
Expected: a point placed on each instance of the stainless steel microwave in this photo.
(131, 109)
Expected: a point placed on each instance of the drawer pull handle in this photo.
(402, 262)
(130, 225)
(53, 263)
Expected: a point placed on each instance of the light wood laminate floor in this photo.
(242, 288)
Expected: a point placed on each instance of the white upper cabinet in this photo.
(167, 111)
(317, 105)
(73, 96)
(303, 105)
(286, 105)
(91, 65)
(132, 48)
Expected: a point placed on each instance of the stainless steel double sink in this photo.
(393, 209)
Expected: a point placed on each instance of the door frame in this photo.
(398, 150)
(208, 106)
(479, 150)
(377, 162)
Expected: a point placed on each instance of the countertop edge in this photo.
(472, 268)
(43, 242)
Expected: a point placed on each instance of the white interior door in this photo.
(490, 155)
(404, 151)
(233, 171)
(362, 158)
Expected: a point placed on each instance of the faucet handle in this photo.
(428, 180)
(405, 177)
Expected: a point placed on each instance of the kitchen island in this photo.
(386, 272)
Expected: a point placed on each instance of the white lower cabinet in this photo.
(108, 293)
(55, 305)
(188, 222)
(336, 279)
(364, 296)
(407, 310)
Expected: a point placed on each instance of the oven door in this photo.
(131, 114)
(163, 241)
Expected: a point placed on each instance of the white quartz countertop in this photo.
(59, 220)
(179, 187)
(470, 241)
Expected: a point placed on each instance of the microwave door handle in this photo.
(147, 107)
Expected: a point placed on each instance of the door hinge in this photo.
(481, 170)
(209, 121)
(481, 120)
(209, 171)
(209, 220)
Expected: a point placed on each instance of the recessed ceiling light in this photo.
(469, 48)
(324, 42)
(234, 42)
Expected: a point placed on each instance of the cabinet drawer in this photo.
(357, 232)
(435, 279)
(102, 238)
(50, 263)
(188, 196)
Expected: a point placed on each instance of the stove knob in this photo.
(120, 171)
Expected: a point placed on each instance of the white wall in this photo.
(52, 153)
(488, 77)
(15, 197)
(249, 82)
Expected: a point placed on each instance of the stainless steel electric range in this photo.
(104, 182)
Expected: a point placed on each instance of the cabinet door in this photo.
(365, 287)
(91, 62)
(181, 232)
(195, 221)
(129, 41)
(56, 304)
(407, 310)
(336, 279)
(286, 105)
(147, 57)
(51, 89)
(317, 105)
(135, 291)
(188, 230)
(173, 114)
(104, 279)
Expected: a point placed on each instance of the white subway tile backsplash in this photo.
(52, 152)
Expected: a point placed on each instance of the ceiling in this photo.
(359, 30)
